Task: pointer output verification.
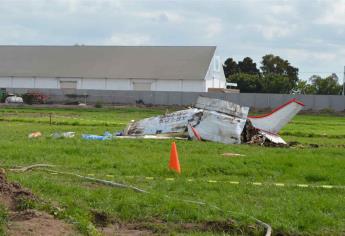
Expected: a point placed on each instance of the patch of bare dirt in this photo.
(31, 222)
(108, 226)
(123, 231)
(22, 221)
(167, 228)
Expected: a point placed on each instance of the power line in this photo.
(318, 72)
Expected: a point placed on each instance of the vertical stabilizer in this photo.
(279, 117)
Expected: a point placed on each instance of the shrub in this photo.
(3, 97)
(98, 105)
(34, 98)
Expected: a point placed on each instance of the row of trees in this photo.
(276, 75)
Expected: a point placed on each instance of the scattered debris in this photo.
(219, 121)
(150, 137)
(35, 134)
(58, 135)
(105, 136)
(267, 139)
(230, 154)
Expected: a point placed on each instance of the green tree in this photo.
(277, 76)
(248, 66)
(303, 87)
(328, 85)
(275, 65)
(230, 67)
(246, 83)
(274, 83)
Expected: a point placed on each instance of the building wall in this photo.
(118, 84)
(51, 83)
(253, 100)
(104, 84)
(23, 82)
(193, 86)
(87, 83)
(6, 82)
(214, 78)
(168, 85)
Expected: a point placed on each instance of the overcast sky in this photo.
(309, 33)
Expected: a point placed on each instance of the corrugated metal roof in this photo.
(141, 62)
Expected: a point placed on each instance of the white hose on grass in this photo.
(267, 227)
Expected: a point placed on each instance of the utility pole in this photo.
(344, 83)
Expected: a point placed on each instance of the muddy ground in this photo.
(23, 221)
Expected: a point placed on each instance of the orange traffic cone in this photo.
(174, 163)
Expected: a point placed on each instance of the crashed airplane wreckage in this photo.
(218, 121)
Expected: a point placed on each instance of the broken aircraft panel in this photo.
(219, 121)
(219, 127)
(173, 123)
(222, 106)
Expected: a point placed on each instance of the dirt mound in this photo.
(167, 228)
(23, 221)
(31, 222)
(108, 226)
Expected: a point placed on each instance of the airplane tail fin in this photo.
(274, 121)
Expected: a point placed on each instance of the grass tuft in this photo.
(290, 210)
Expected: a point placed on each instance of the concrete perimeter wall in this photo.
(253, 100)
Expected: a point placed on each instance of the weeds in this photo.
(3, 219)
(293, 211)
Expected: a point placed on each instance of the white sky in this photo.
(309, 33)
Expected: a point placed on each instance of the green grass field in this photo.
(207, 176)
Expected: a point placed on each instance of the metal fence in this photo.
(253, 100)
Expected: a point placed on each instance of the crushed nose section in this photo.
(222, 121)
(278, 118)
(219, 127)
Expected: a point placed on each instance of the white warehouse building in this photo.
(150, 68)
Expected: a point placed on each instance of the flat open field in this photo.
(282, 194)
